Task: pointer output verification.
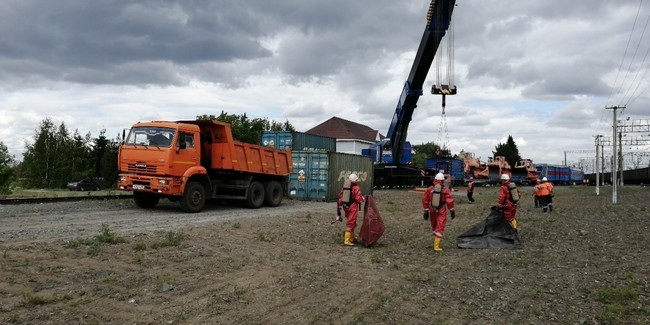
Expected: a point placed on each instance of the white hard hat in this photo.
(354, 178)
(505, 177)
(544, 179)
(439, 176)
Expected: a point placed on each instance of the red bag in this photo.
(372, 227)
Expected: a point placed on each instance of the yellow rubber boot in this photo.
(513, 223)
(353, 239)
(348, 239)
(436, 244)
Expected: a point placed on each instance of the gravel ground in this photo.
(47, 221)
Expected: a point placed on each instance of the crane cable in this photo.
(443, 130)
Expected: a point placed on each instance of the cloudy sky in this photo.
(542, 71)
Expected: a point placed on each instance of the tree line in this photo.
(58, 155)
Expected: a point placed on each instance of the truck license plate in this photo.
(138, 187)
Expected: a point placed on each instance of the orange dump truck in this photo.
(193, 161)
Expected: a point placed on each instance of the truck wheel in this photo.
(193, 199)
(274, 194)
(255, 197)
(145, 200)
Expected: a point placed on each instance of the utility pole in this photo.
(614, 153)
(598, 163)
(620, 157)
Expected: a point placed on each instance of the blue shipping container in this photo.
(297, 141)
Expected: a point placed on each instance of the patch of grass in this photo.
(376, 258)
(108, 237)
(19, 262)
(72, 243)
(236, 225)
(172, 238)
(94, 249)
(611, 314)
(616, 295)
(32, 299)
(165, 279)
(140, 246)
(264, 237)
(615, 299)
(13, 319)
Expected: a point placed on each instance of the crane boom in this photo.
(438, 20)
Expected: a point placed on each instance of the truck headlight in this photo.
(162, 182)
(122, 179)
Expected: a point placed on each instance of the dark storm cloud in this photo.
(529, 45)
(109, 42)
(72, 40)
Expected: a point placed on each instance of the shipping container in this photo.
(319, 176)
(297, 141)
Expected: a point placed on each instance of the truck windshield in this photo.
(151, 136)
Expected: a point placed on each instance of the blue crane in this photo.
(392, 155)
(438, 20)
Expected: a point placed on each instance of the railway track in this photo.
(36, 200)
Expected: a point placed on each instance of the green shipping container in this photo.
(319, 176)
(297, 141)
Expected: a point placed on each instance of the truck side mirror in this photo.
(181, 141)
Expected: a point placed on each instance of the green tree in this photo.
(427, 150)
(247, 130)
(55, 157)
(37, 159)
(108, 168)
(6, 169)
(508, 150)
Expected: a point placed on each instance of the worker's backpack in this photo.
(436, 200)
(347, 192)
(514, 193)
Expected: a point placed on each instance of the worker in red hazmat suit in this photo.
(437, 199)
(350, 200)
(508, 200)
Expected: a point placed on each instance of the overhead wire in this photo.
(615, 87)
(627, 46)
(641, 64)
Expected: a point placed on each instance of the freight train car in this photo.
(639, 176)
(559, 174)
(577, 176)
(453, 168)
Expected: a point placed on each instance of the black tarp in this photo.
(493, 232)
(372, 227)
